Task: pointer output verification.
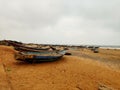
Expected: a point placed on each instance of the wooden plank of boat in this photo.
(21, 47)
(29, 49)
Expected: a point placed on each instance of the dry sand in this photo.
(69, 73)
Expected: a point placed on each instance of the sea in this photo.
(110, 47)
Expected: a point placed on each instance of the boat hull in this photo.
(39, 56)
(43, 59)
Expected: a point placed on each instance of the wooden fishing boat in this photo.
(20, 47)
(29, 49)
(39, 56)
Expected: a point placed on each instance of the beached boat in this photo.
(21, 47)
(39, 56)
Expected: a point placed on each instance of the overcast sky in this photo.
(61, 21)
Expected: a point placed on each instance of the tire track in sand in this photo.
(5, 83)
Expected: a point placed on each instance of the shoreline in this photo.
(117, 48)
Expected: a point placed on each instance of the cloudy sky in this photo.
(95, 22)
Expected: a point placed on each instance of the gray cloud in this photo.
(61, 21)
(30, 14)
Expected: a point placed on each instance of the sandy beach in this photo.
(83, 70)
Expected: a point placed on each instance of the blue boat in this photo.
(44, 56)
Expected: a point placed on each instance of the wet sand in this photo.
(110, 57)
(69, 73)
